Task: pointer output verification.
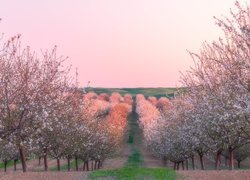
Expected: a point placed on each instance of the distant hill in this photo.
(157, 92)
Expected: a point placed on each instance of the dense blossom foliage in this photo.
(212, 115)
(43, 113)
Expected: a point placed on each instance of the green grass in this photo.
(130, 139)
(134, 170)
(134, 173)
(9, 164)
(133, 126)
(135, 159)
(64, 167)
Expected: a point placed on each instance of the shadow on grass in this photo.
(9, 164)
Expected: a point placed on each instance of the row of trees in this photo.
(211, 116)
(172, 134)
(43, 112)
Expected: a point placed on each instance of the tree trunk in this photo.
(231, 158)
(15, 161)
(238, 164)
(187, 164)
(95, 164)
(39, 160)
(178, 166)
(193, 166)
(218, 160)
(45, 158)
(68, 159)
(226, 161)
(76, 159)
(5, 166)
(182, 164)
(87, 164)
(92, 165)
(84, 166)
(58, 164)
(201, 161)
(101, 161)
(98, 164)
(23, 159)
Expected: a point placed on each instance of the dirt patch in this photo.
(213, 175)
(119, 161)
(44, 175)
(149, 159)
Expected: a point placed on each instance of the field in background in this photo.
(157, 92)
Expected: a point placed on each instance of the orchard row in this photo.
(43, 112)
(211, 115)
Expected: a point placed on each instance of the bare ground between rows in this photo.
(35, 171)
(118, 162)
(149, 160)
(44, 175)
(214, 175)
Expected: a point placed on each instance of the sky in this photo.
(117, 43)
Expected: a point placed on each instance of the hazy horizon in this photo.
(146, 87)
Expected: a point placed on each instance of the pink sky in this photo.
(117, 43)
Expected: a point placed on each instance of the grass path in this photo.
(135, 167)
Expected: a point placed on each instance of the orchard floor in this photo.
(214, 175)
(35, 171)
(181, 175)
(44, 176)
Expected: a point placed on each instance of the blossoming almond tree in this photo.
(221, 80)
(27, 86)
(8, 152)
